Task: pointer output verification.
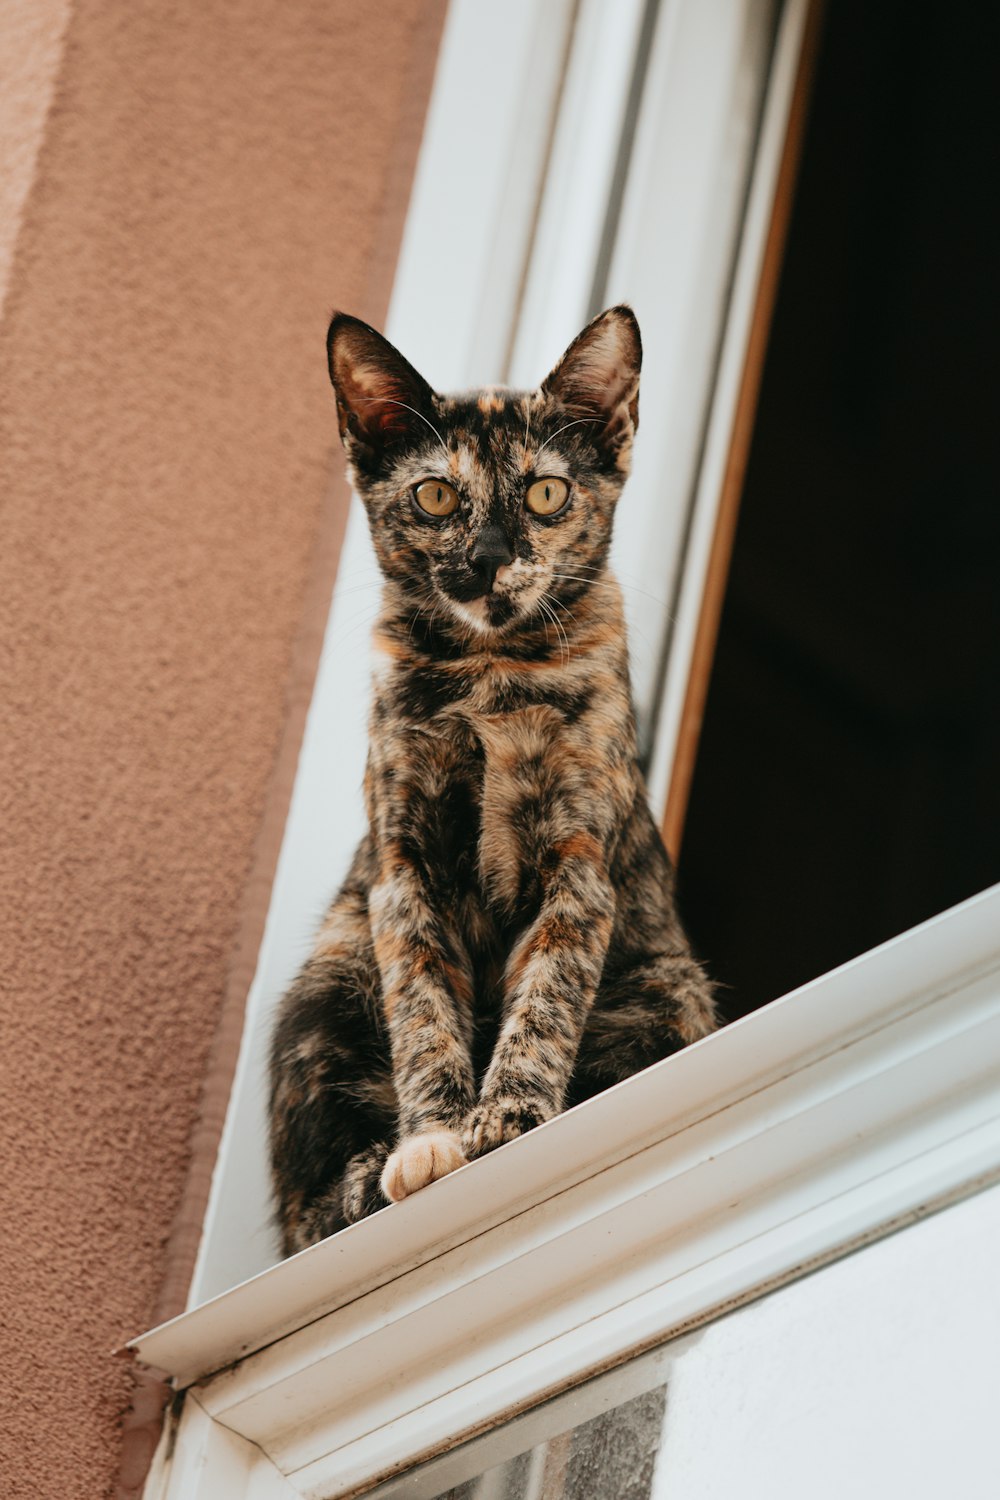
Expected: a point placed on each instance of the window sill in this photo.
(833, 1116)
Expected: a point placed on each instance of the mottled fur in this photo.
(506, 942)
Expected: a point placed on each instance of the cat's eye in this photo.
(435, 498)
(546, 496)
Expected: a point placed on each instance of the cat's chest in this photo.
(479, 795)
(496, 760)
(488, 777)
(519, 795)
(504, 800)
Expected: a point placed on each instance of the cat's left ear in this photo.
(597, 378)
(381, 398)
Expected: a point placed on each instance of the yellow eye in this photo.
(546, 496)
(436, 498)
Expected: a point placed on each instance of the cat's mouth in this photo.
(492, 604)
(486, 610)
(464, 591)
(486, 601)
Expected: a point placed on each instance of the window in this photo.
(474, 1324)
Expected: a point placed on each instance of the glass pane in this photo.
(613, 1454)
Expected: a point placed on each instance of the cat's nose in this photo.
(492, 550)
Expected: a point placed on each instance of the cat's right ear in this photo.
(381, 399)
(597, 381)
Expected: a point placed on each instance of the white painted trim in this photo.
(742, 303)
(828, 1118)
(486, 142)
(681, 219)
(535, 1426)
(829, 1386)
(571, 221)
(200, 1459)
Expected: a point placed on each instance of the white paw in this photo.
(419, 1160)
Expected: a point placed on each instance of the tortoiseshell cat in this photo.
(506, 942)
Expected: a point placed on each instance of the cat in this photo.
(506, 942)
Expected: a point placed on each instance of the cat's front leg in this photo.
(551, 980)
(427, 999)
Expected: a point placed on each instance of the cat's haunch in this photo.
(506, 942)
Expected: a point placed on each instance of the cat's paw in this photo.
(497, 1121)
(419, 1160)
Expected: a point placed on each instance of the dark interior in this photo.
(848, 781)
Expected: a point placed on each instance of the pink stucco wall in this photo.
(190, 188)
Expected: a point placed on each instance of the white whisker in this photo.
(607, 583)
(357, 588)
(367, 618)
(544, 601)
(560, 605)
(546, 617)
(577, 423)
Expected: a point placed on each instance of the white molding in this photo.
(486, 143)
(690, 587)
(200, 1459)
(824, 1120)
(534, 1427)
(676, 245)
(571, 221)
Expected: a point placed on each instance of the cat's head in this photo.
(489, 508)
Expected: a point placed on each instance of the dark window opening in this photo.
(848, 780)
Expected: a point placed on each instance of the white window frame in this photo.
(844, 1111)
(824, 1120)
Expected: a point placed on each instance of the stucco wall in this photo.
(191, 188)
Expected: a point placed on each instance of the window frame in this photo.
(831, 1117)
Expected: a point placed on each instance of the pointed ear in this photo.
(598, 376)
(381, 399)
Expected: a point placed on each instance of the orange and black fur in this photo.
(506, 942)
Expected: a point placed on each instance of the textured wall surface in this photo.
(191, 189)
